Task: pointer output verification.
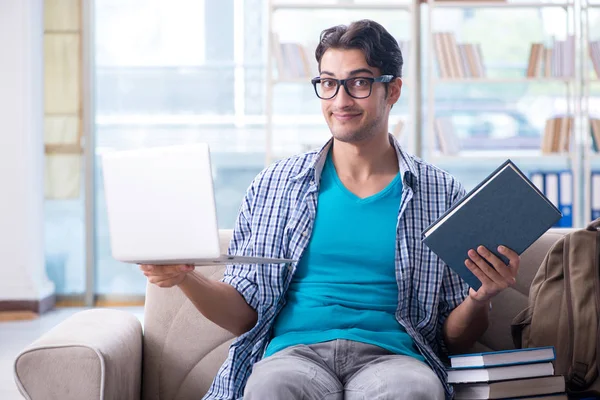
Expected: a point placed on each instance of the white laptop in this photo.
(161, 207)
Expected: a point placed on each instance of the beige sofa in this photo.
(97, 354)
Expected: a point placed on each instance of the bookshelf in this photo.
(571, 91)
(306, 129)
(457, 61)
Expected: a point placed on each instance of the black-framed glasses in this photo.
(358, 87)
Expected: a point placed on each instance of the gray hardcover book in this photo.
(505, 209)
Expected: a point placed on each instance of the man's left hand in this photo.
(496, 279)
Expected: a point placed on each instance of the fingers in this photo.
(497, 272)
(483, 278)
(165, 269)
(166, 275)
(159, 277)
(513, 257)
(494, 274)
(167, 282)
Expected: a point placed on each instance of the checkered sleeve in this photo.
(243, 277)
(454, 289)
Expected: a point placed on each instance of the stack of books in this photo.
(556, 61)
(522, 373)
(457, 60)
(557, 134)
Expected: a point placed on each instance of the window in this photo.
(166, 74)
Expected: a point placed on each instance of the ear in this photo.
(394, 89)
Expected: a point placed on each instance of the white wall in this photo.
(22, 267)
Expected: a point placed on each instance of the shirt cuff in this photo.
(247, 288)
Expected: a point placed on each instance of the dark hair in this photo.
(379, 46)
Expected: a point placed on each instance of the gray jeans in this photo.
(341, 369)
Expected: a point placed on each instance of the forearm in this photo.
(465, 324)
(219, 302)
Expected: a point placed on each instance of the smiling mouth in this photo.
(344, 117)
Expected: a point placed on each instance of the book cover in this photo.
(505, 209)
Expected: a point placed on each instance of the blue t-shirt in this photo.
(345, 284)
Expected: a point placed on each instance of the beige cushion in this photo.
(94, 354)
(182, 350)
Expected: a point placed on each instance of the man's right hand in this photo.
(166, 276)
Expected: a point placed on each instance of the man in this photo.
(368, 310)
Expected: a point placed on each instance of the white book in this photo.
(503, 358)
(500, 373)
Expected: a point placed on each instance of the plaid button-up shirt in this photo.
(276, 220)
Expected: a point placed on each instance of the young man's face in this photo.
(353, 120)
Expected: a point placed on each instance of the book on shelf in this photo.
(295, 61)
(595, 132)
(504, 209)
(554, 384)
(566, 61)
(558, 187)
(557, 134)
(292, 60)
(405, 48)
(552, 62)
(456, 60)
(594, 49)
(478, 375)
(536, 55)
(403, 132)
(595, 194)
(398, 129)
(447, 140)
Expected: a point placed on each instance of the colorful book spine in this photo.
(558, 188)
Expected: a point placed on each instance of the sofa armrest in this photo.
(94, 354)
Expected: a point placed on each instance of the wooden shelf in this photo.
(63, 148)
(495, 4)
(341, 6)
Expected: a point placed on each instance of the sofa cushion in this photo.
(182, 349)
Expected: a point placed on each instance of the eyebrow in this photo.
(354, 72)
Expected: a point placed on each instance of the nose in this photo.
(343, 99)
